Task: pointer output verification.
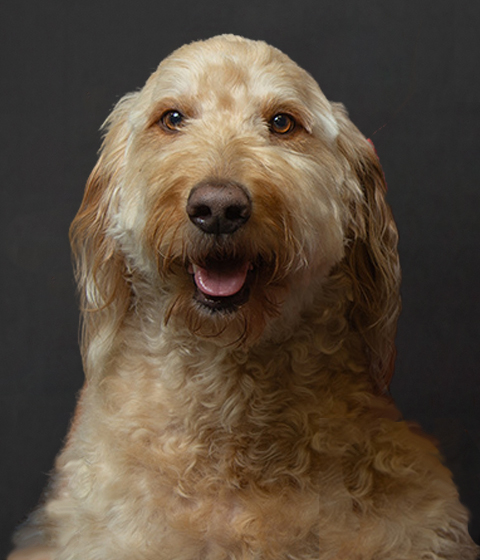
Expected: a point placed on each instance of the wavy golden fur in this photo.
(239, 282)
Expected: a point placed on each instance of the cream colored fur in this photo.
(262, 431)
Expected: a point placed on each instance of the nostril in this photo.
(237, 213)
(200, 211)
(201, 216)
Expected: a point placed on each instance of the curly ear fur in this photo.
(371, 260)
(100, 270)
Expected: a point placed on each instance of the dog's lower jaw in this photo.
(263, 310)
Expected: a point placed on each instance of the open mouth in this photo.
(222, 284)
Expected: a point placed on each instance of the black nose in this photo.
(219, 208)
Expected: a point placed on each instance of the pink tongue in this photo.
(221, 282)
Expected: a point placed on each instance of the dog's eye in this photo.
(172, 120)
(282, 123)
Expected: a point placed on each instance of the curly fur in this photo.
(261, 431)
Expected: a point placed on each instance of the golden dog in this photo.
(239, 280)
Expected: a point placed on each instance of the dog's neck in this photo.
(247, 409)
(318, 344)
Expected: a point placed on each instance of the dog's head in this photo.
(227, 193)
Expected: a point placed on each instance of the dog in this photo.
(239, 281)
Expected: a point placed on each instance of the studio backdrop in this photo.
(407, 71)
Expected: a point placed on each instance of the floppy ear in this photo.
(100, 270)
(371, 261)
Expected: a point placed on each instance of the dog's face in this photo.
(224, 188)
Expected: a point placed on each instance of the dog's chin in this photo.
(222, 304)
(229, 301)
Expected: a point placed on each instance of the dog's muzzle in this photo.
(220, 210)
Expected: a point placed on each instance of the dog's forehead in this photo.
(236, 67)
(233, 74)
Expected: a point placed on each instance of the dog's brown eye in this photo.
(172, 120)
(282, 123)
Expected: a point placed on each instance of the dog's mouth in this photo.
(222, 284)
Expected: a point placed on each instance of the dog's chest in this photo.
(246, 523)
(219, 463)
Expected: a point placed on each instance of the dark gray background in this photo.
(406, 69)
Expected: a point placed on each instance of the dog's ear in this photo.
(100, 270)
(371, 261)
